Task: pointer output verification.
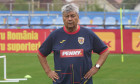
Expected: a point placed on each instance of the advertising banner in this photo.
(29, 40)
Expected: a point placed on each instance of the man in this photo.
(72, 46)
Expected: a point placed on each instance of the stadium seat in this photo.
(23, 20)
(134, 20)
(50, 27)
(48, 21)
(99, 27)
(112, 27)
(11, 20)
(1, 20)
(59, 21)
(85, 21)
(24, 27)
(97, 21)
(35, 20)
(36, 27)
(57, 27)
(12, 27)
(88, 27)
(129, 27)
(125, 21)
(2, 27)
(110, 21)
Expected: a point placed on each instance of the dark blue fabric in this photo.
(72, 69)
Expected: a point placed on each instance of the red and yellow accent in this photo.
(78, 29)
(9, 43)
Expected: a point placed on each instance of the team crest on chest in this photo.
(81, 40)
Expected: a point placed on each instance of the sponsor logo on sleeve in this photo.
(71, 53)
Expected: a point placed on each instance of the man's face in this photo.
(70, 20)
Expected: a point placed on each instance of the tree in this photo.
(20, 5)
(3, 7)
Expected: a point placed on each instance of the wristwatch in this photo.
(97, 66)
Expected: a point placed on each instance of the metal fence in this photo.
(45, 9)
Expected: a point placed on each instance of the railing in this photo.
(50, 9)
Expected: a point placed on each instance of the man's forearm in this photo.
(44, 63)
(103, 58)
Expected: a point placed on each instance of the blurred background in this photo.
(43, 14)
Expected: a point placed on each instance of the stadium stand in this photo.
(112, 27)
(35, 20)
(85, 20)
(48, 21)
(12, 27)
(59, 21)
(11, 20)
(1, 20)
(36, 27)
(23, 20)
(2, 27)
(125, 21)
(50, 27)
(24, 27)
(110, 21)
(98, 21)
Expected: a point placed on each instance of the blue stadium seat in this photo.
(88, 27)
(85, 21)
(97, 21)
(112, 27)
(36, 27)
(134, 20)
(35, 20)
(1, 20)
(23, 20)
(125, 21)
(50, 27)
(110, 21)
(12, 27)
(48, 20)
(57, 27)
(59, 21)
(99, 27)
(2, 27)
(11, 20)
(129, 27)
(24, 27)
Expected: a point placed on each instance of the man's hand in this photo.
(53, 75)
(91, 72)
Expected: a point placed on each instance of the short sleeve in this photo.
(98, 45)
(46, 47)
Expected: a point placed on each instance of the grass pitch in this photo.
(112, 72)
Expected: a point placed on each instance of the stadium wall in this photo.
(29, 40)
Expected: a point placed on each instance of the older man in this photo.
(72, 46)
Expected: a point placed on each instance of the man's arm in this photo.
(100, 61)
(51, 74)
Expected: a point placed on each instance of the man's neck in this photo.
(72, 29)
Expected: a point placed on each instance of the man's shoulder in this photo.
(86, 30)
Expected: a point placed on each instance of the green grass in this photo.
(112, 72)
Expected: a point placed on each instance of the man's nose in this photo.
(70, 18)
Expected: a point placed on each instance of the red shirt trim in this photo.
(103, 51)
(40, 53)
(72, 32)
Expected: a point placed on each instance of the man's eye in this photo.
(73, 16)
(66, 16)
